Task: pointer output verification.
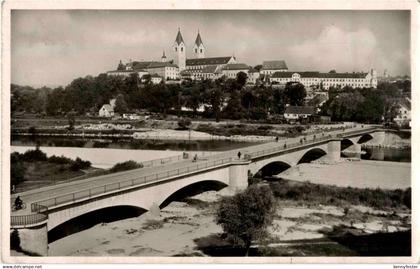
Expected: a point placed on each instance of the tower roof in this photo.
(198, 40)
(179, 38)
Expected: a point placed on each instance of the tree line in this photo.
(87, 95)
(221, 98)
(367, 105)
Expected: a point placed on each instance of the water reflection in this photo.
(387, 154)
(125, 143)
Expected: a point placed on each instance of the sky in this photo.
(53, 47)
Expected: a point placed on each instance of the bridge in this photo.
(148, 188)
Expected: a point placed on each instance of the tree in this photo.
(295, 93)
(72, 120)
(120, 104)
(241, 78)
(234, 109)
(17, 169)
(258, 67)
(245, 216)
(214, 96)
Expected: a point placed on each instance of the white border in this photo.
(197, 4)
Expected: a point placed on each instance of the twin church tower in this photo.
(180, 50)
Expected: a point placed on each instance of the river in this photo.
(104, 153)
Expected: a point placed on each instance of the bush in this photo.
(17, 172)
(79, 164)
(184, 123)
(124, 166)
(34, 155)
(15, 240)
(59, 160)
(32, 130)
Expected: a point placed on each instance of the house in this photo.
(156, 79)
(106, 111)
(403, 112)
(295, 113)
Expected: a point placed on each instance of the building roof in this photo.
(161, 64)
(300, 110)
(209, 61)
(108, 107)
(140, 65)
(198, 40)
(179, 38)
(317, 100)
(274, 65)
(121, 71)
(253, 70)
(405, 102)
(343, 75)
(155, 76)
(209, 69)
(315, 74)
(238, 66)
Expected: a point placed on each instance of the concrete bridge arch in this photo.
(150, 198)
(291, 159)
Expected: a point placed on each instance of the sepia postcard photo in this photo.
(178, 132)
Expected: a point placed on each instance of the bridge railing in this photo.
(284, 146)
(306, 141)
(40, 215)
(355, 132)
(124, 184)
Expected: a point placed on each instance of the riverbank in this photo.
(168, 129)
(188, 228)
(359, 174)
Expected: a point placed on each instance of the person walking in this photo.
(239, 154)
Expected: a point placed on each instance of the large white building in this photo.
(327, 80)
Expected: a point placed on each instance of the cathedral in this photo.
(199, 66)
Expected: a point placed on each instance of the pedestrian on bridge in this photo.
(239, 154)
(277, 139)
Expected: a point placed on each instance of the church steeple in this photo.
(121, 66)
(179, 38)
(163, 58)
(199, 46)
(179, 49)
